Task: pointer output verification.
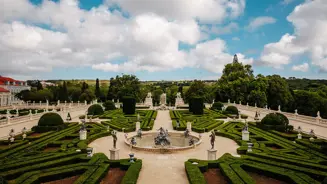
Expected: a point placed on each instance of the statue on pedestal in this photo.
(139, 133)
(212, 139)
(114, 136)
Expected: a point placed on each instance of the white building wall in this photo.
(10, 98)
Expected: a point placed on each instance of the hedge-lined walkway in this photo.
(165, 168)
(4, 131)
(322, 131)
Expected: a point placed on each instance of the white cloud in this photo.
(236, 39)
(310, 22)
(229, 28)
(207, 11)
(302, 68)
(259, 22)
(212, 56)
(147, 41)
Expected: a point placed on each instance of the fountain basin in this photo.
(178, 142)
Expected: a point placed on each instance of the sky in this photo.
(161, 39)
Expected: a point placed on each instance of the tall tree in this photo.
(39, 85)
(97, 89)
(85, 86)
(197, 89)
(278, 93)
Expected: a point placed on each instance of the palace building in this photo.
(9, 88)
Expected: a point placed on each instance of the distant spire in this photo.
(235, 60)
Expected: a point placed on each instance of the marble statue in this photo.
(318, 114)
(279, 108)
(114, 136)
(149, 95)
(246, 127)
(212, 139)
(178, 95)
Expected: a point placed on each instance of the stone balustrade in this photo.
(30, 117)
(293, 116)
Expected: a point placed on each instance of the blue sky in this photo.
(75, 58)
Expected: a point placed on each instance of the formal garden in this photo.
(53, 152)
(273, 157)
(267, 151)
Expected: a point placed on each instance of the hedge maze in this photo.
(275, 156)
(122, 122)
(58, 155)
(200, 123)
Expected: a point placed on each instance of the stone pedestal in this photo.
(189, 126)
(114, 154)
(245, 135)
(148, 101)
(299, 136)
(82, 135)
(137, 126)
(212, 154)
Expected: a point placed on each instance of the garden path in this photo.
(165, 168)
(4, 130)
(319, 130)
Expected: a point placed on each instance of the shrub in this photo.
(95, 109)
(231, 110)
(50, 119)
(129, 104)
(275, 121)
(109, 105)
(217, 106)
(197, 105)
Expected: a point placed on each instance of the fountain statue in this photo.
(187, 133)
(191, 142)
(133, 141)
(212, 139)
(162, 138)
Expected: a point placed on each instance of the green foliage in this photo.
(129, 104)
(125, 85)
(275, 121)
(95, 109)
(278, 93)
(87, 95)
(132, 173)
(97, 89)
(109, 105)
(194, 174)
(50, 119)
(231, 110)
(217, 106)
(196, 105)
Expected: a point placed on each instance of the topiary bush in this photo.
(231, 110)
(95, 109)
(109, 105)
(49, 122)
(129, 104)
(197, 105)
(275, 121)
(50, 119)
(217, 106)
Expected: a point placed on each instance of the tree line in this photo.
(237, 83)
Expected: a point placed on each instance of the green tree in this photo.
(97, 89)
(87, 95)
(39, 85)
(197, 89)
(278, 93)
(74, 92)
